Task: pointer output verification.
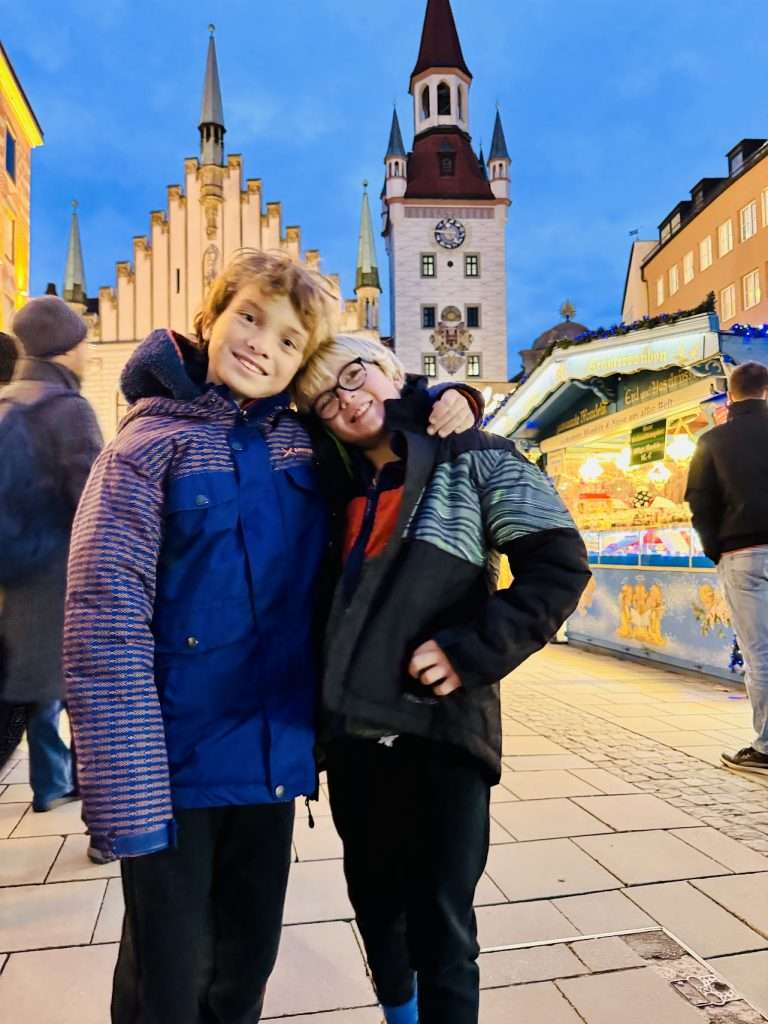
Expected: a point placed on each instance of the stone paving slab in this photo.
(575, 759)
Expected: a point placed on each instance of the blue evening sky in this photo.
(612, 112)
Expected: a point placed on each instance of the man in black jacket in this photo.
(61, 427)
(728, 494)
(418, 639)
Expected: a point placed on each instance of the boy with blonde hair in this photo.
(418, 640)
(189, 653)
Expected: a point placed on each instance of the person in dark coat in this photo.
(62, 422)
(728, 494)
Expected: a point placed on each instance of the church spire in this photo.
(499, 149)
(395, 147)
(74, 273)
(212, 115)
(440, 45)
(367, 274)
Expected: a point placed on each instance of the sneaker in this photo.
(746, 760)
(97, 856)
(68, 798)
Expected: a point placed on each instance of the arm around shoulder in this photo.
(109, 659)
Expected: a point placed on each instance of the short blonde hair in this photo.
(319, 373)
(313, 296)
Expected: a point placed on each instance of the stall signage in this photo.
(652, 386)
(593, 412)
(647, 443)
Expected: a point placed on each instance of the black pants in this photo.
(414, 819)
(202, 921)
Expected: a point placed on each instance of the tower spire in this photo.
(367, 274)
(440, 45)
(212, 114)
(499, 149)
(74, 273)
(395, 145)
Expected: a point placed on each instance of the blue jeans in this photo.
(50, 760)
(744, 576)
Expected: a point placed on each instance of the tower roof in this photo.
(425, 180)
(74, 273)
(395, 145)
(212, 111)
(367, 275)
(499, 149)
(481, 161)
(440, 45)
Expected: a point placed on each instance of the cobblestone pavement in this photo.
(612, 817)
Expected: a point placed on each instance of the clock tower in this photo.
(445, 221)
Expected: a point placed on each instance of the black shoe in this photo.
(746, 760)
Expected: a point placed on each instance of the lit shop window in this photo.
(688, 267)
(728, 302)
(725, 238)
(748, 221)
(750, 289)
(674, 279)
(705, 253)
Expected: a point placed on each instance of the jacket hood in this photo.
(165, 365)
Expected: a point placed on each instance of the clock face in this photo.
(450, 233)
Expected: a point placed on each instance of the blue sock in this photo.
(407, 1013)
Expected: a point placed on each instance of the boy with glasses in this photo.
(418, 639)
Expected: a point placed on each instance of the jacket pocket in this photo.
(196, 631)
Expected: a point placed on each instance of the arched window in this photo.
(460, 101)
(397, 168)
(425, 102)
(443, 99)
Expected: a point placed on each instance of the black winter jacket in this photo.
(728, 481)
(466, 499)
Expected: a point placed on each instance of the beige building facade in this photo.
(717, 241)
(20, 133)
(216, 211)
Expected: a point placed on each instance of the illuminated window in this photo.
(765, 207)
(725, 238)
(750, 289)
(705, 253)
(471, 266)
(10, 155)
(674, 280)
(728, 303)
(428, 268)
(473, 365)
(428, 316)
(748, 221)
(688, 267)
(429, 365)
(660, 291)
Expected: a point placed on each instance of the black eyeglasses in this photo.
(351, 378)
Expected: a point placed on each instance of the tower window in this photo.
(178, 280)
(425, 108)
(10, 155)
(473, 365)
(428, 316)
(443, 100)
(472, 265)
(473, 316)
(429, 365)
(460, 101)
(447, 165)
(428, 267)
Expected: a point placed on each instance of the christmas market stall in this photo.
(613, 418)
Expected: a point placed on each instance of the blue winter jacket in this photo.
(189, 660)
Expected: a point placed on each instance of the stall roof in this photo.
(553, 385)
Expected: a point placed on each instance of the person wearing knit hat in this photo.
(50, 437)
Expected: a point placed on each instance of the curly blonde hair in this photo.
(314, 297)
